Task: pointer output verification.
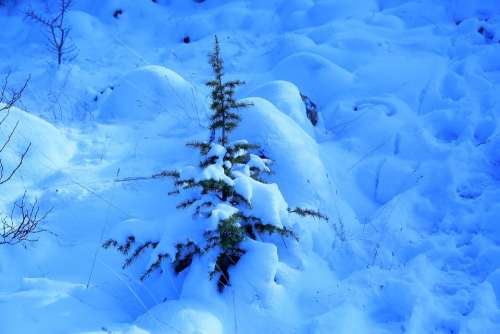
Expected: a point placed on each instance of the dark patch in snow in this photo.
(311, 109)
(117, 13)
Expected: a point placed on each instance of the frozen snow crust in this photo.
(405, 161)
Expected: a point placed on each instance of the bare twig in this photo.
(58, 32)
(23, 223)
(14, 170)
(25, 218)
(6, 103)
(166, 173)
(9, 98)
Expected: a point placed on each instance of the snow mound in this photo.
(286, 97)
(316, 76)
(42, 305)
(326, 11)
(50, 150)
(84, 25)
(149, 91)
(175, 317)
(462, 9)
(266, 199)
(296, 165)
(294, 152)
(342, 320)
(257, 269)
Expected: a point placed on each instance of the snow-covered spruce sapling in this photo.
(219, 193)
(58, 31)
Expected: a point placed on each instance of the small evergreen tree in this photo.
(213, 191)
(224, 117)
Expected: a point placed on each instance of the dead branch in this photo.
(25, 218)
(7, 101)
(58, 32)
(23, 223)
(9, 97)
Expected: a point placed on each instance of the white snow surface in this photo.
(405, 161)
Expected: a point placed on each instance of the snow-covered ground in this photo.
(405, 161)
